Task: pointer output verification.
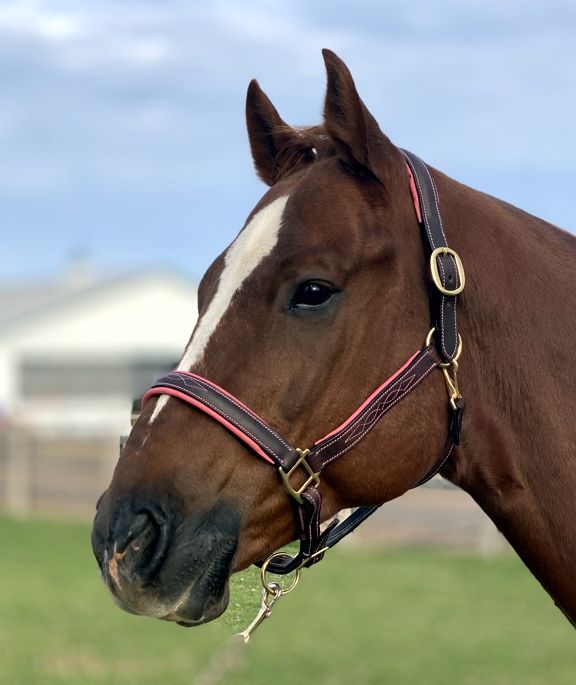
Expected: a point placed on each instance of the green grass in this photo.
(358, 618)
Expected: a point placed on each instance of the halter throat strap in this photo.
(300, 469)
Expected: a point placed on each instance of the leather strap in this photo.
(274, 448)
(444, 313)
(338, 443)
(230, 412)
(336, 531)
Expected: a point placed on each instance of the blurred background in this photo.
(125, 169)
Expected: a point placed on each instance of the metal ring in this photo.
(272, 587)
(430, 336)
(275, 593)
(452, 362)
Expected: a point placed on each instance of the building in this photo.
(74, 353)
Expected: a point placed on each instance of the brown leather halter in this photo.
(442, 350)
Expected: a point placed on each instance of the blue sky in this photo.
(122, 123)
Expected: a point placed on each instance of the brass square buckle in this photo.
(436, 275)
(312, 476)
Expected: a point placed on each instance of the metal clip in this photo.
(271, 593)
(450, 370)
(452, 382)
(266, 604)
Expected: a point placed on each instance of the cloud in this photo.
(38, 20)
(107, 102)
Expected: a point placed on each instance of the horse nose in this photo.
(136, 544)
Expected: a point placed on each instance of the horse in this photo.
(325, 292)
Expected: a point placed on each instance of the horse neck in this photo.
(518, 458)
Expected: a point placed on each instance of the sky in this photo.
(122, 135)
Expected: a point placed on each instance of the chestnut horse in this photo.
(322, 295)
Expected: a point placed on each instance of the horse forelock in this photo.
(311, 143)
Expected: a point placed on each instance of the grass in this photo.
(358, 618)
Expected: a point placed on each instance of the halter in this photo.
(300, 469)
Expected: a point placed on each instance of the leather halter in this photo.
(441, 350)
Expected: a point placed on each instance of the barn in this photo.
(74, 352)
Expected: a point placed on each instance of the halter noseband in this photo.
(441, 350)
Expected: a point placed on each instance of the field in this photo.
(358, 618)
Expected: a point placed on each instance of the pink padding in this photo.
(199, 405)
(414, 193)
(364, 404)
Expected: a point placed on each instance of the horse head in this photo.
(320, 297)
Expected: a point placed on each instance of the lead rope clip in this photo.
(267, 602)
(271, 593)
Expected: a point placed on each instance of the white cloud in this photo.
(125, 100)
(34, 18)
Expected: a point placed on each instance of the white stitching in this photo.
(311, 495)
(342, 433)
(379, 409)
(221, 413)
(350, 523)
(400, 378)
(436, 468)
(442, 304)
(349, 447)
(436, 201)
(207, 385)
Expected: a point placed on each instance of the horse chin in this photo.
(213, 608)
(205, 599)
(198, 602)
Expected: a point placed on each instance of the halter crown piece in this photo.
(441, 350)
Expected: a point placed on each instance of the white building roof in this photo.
(141, 317)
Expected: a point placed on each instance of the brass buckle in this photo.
(312, 476)
(436, 274)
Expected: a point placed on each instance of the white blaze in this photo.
(254, 243)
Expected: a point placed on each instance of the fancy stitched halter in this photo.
(441, 350)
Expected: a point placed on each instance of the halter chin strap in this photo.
(300, 469)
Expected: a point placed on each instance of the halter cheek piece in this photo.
(442, 350)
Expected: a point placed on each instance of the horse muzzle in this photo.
(161, 563)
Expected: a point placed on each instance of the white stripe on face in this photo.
(254, 243)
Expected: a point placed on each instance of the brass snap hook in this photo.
(271, 593)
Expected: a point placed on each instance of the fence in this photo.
(53, 476)
(63, 477)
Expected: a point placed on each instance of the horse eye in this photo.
(313, 295)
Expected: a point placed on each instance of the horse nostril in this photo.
(140, 548)
(140, 531)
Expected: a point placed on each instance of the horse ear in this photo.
(360, 142)
(269, 135)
